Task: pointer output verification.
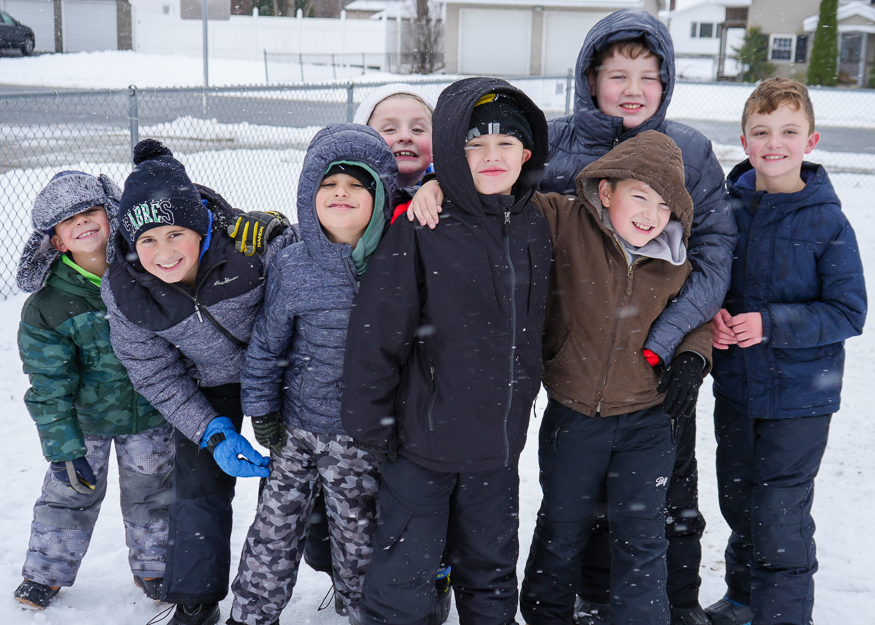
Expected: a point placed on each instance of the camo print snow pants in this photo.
(63, 520)
(275, 542)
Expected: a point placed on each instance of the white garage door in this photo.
(40, 16)
(564, 33)
(90, 26)
(495, 43)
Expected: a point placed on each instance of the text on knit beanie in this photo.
(159, 193)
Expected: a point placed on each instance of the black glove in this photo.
(381, 453)
(270, 431)
(75, 474)
(681, 384)
(254, 230)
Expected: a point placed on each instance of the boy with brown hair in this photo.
(797, 292)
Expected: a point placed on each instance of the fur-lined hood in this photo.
(67, 194)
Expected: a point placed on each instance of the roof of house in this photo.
(846, 10)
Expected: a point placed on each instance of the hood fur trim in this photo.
(64, 197)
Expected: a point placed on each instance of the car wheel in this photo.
(27, 47)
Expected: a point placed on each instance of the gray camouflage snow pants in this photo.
(275, 542)
(63, 520)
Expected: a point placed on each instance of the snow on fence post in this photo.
(135, 118)
(350, 102)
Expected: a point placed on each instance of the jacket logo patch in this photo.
(661, 481)
(225, 281)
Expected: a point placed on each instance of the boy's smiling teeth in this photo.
(86, 234)
(171, 265)
(632, 106)
(772, 157)
(642, 226)
(405, 153)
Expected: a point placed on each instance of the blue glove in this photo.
(75, 474)
(227, 446)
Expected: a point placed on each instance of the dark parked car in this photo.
(15, 35)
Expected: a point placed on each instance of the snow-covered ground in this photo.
(104, 593)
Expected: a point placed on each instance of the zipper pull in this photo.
(197, 310)
(432, 379)
(507, 217)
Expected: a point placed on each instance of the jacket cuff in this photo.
(767, 326)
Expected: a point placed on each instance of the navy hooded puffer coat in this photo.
(798, 265)
(588, 134)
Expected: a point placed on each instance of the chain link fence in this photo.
(248, 142)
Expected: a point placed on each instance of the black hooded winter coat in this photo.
(588, 134)
(443, 357)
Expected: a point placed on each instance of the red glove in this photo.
(652, 359)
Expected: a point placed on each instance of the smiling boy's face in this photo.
(344, 207)
(170, 253)
(776, 144)
(638, 213)
(405, 124)
(627, 88)
(496, 162)
(84, 233)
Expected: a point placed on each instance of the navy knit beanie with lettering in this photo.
(159, 193)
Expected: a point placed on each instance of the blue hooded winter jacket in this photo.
(294, 363)
(797, 263)
(588, 134)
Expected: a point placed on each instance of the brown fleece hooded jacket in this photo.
(600, 307)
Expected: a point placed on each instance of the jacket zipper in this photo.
(601, 395)
(512, 270)
(432, 389)
(193, 298)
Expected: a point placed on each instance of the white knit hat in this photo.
(366, 108)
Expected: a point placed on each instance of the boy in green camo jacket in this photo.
(81, 398)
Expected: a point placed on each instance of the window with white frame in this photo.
(781, 47)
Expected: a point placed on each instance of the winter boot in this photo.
(694, 615)
(35, 595)
(588, 613)
(201, 614)
(150, 585)
(441, 611)
(729, 612)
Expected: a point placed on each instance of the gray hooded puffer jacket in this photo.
(162, 332)
(294, 363)
(588, 134)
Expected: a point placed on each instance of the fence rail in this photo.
(248, 142)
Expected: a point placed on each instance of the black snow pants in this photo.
(477, 516)
(684, 526)
(623, 461)
(199, 542)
